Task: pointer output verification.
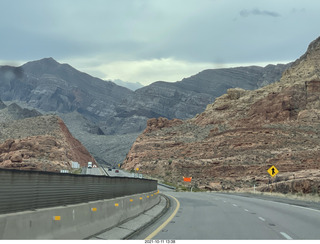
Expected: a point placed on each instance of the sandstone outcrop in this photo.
(40, 143)
(233, 143)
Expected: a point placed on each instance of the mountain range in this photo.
(97, 110)
(130, 85)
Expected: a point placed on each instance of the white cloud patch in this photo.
(149, 71)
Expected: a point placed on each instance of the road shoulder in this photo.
(134, 225)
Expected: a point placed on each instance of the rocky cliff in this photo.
(233, 143)
(40, 143)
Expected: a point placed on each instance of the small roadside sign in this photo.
(187, 179)
(273, 171)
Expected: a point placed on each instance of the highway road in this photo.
(213, 216)
(92, 171)
(112, 173)
(121, 173)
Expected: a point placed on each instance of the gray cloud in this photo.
(246, 13)
(104, 36)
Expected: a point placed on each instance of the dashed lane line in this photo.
(286, 235)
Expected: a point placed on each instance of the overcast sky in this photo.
(149, 40)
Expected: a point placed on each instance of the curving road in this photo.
(212, 216)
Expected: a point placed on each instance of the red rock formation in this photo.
(45, 150)
(233, 143)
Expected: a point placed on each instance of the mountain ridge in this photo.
(109, 109)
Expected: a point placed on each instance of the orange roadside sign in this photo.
(187, 179)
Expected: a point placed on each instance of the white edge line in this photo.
(262, 219)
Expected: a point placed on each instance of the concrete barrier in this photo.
(75, 222)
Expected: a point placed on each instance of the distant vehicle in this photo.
(117, 171)
(109, 169)
(89, 164)
(113, 167)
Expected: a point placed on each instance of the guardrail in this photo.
(167, 186)
(30, 190)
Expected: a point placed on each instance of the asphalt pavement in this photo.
(216, 216)
(219, 216)
(94, 171)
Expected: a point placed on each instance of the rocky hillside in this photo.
(15, 112)
(53, 87)
(233, 143)
(39, 143)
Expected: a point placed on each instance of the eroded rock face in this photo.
(233, 143)
(158, 124)
(41, 143)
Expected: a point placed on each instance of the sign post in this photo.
(136, 175)
(188, 179)
(273, 171)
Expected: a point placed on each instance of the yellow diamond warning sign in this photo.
(273, 171)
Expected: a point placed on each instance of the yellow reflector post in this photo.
(93, 209)
(131, 200)
(117, 205)
(56, 217)
(140, 198)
